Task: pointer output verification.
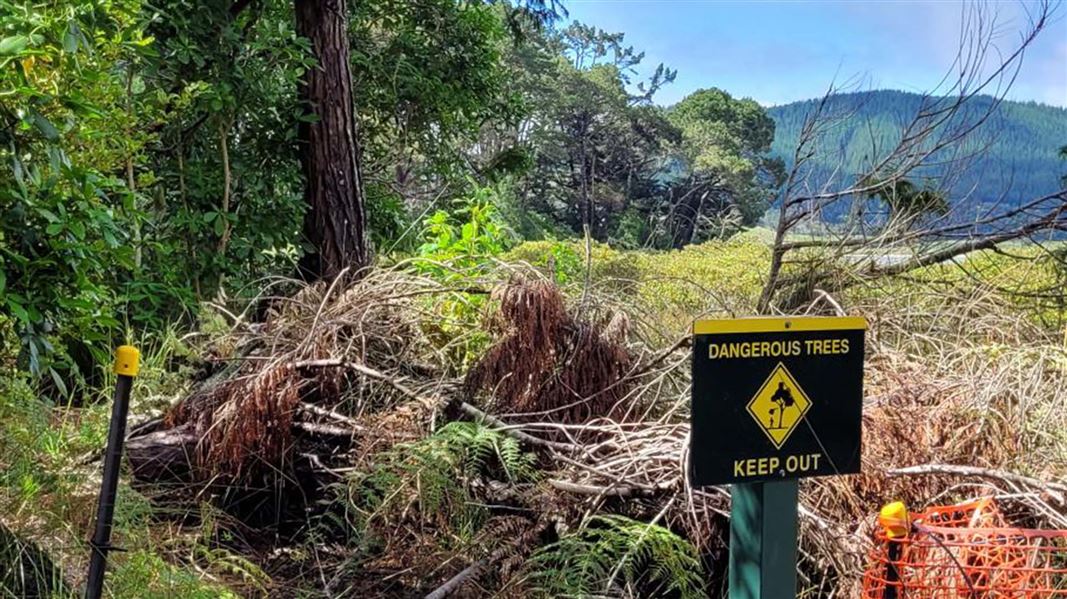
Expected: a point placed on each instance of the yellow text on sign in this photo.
(779, 405)
(790, 464)
(778, 349)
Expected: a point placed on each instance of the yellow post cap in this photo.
(895, 519)
(127, 360)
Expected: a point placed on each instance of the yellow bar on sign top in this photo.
(780, 324)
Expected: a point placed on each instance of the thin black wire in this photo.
(966, 577)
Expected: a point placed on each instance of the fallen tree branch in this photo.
(477, 414)
(610, 491)
(328, 430)
(369, 373)
(163, 454)
(1054, 489)
(453, 584)
(351, 423)
(683, 342)
(465, 407)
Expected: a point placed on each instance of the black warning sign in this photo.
(776, 398)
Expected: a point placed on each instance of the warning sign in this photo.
(779, 405)
(776, 398)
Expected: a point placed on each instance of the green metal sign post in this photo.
(763, 540)
(774, 400)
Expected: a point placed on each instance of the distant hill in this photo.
(1023, 140)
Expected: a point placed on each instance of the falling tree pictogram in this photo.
(784, 398)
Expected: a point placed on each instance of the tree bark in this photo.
(335, 223)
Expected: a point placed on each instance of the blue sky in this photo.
(777, 52)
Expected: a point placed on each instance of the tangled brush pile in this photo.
(304, 360)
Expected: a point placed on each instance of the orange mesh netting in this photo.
(966, 551)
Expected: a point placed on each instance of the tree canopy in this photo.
(154, 153)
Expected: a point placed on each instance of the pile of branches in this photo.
(335, 382)
(294, 390)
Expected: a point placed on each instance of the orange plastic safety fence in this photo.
(965, 552)
(981, 513)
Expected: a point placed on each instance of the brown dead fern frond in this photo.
(548, 363)
(251, 432)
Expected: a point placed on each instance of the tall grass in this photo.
(49, 480)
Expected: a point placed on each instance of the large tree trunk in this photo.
(336, 222)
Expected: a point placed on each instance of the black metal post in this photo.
(126, 366)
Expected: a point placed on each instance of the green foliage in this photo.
(206, 553)
(143, 573)
(595, 141)
(1063, 154)
(611, 553)
(460, 245)
(466, 236)
(27, 571)
(225, 195)
(150, 155)
(1027, 278)
(45, 499)
(65, 219)
(715, 277)
(430, 476)
(428, 75)
(721, 134)
(565, 262)
(40, 440)
(634, 173)
(721, 177)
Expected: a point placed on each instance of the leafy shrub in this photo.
(714, 277)
(466, 236)
(672, 287)
(565, 262)
(69, 228)
(459, 246)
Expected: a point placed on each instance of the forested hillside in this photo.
(1016, 154)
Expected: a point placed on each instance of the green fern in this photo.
(219, 560)
(481, 450)
(431, 476)
(615, 555)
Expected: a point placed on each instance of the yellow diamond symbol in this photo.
(779, 405)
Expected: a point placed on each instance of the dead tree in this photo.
(942, 135)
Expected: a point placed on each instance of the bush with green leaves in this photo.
(613, 555)
(566, 262)
(465, 237)
(461, 246)
(66, 219)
